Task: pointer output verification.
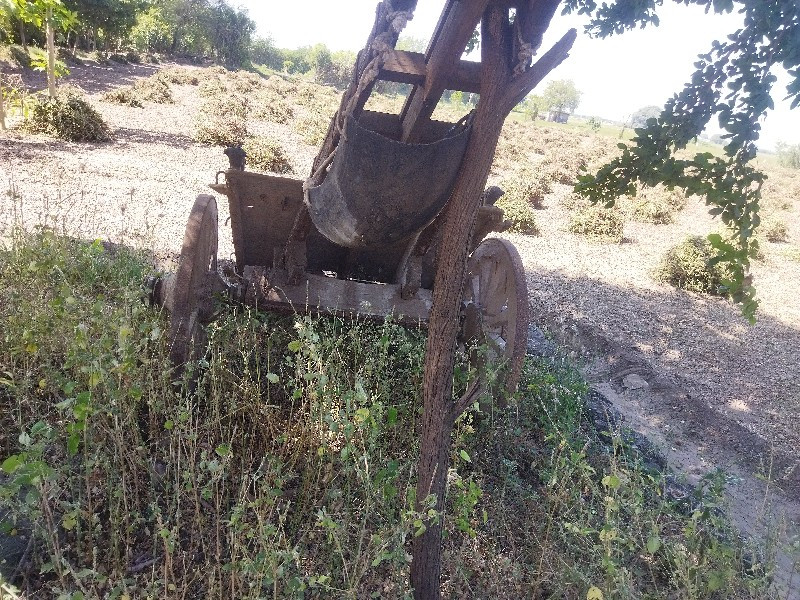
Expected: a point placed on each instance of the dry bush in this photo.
(68, 116)
(520, 213)
(656, 205)
(529, 185)
(598, 223)
(123, 95)
(686, 266)
(564, 167)
(211, 86)
(222, 121)
(244, 82)
(133, 57)
(265, 154)
(180, 76)
(269, 106)
(118, 58)
(312, 128)
(153, 89)
(281, 86)
(774, 230)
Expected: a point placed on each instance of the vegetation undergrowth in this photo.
(288, 472)
(68, 116)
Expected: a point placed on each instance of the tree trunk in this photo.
(2, 105)
(22, 38)
(501, 90)
(51, 54)
(438, 417)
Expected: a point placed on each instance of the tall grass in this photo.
(288, 470)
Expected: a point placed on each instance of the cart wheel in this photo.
(192, 302)
(496, 309)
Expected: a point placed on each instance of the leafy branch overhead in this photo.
(732, 82)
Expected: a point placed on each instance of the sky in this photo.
(616, 76)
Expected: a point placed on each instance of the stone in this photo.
(635, 382)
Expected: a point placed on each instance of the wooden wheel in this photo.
(496, 310)
(192, 289)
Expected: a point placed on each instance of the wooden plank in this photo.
(454, 29)
(410, 67)
(327, 295)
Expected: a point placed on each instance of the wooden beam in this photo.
(454, 29)
(409, 67)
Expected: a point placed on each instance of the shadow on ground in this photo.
(742, 396)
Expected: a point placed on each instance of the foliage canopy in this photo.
(732, 82)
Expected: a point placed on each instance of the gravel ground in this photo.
(139, 189)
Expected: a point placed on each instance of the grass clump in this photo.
(222, 121)
(529, 186)
(272, 107)
(123, 95)
(312, 128)
(774, 230)
(267, 155)
(598, 223)
(212, 86)
(290, 465)
(68, 116)
(520, 213)
(118, 58)
(180, 76)
(656, 205)
(687, 266)
(153, 89)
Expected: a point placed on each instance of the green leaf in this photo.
(611, 481)
(223, 450)
(295, 345)
(12, 463)
(463, 454)
(594, 593)
(653, 544)
(272, 378)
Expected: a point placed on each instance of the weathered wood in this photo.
(454, 29)
(388, 125)
(409, 67)
(327, 295)
(499, 87)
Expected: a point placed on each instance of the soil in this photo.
(720, 393)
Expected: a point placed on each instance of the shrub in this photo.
(118, 58)
(774, 230)
(565, 166)
(281, 85)
(68, 57)
(124, 95)
(528, 186)
(69, 117)
(520, 213)
(179, 76)
(222, 121)
(133, 58)
(597, 222)
(312, 128)
(272, 107)
(655, 205)
(212, 86)
(265, 154)
(153, 89)
(686, 266)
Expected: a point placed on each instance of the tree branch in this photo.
(522, 84)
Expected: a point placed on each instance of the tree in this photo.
(561, 96)
(788, 155)
(733, 82)
(50, 14)
(641, 116)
